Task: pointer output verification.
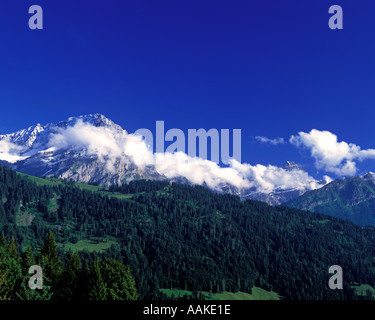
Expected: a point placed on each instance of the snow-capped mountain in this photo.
(93, 149)
(32, 151)
(291, 166)
(278, 195)
(36, 138)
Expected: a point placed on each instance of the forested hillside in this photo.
(351, 198)
(72, 279)
(178, 236)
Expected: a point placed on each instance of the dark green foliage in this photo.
(178, 236)
(98, 289)
(107, 279)
(3, 242)
(12, 249)
(139, 186)
(27, 260)
(70, 280)
(119, 282)
(111, 280)
(25, 293)
(50, 261)
(10, 275)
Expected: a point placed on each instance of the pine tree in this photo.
(69, 289)
(50, 262)
(27, 260)
(12, 249)
(10, 275)
(119, 281)
(97, 287)
(3, 241)
(49, 248)
(28, 294)
(84, 282)
(25, 293)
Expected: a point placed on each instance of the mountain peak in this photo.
(97, 120)
(291, 166)
(35, 138)
(90, 117)
(24, 136)
(369, 175)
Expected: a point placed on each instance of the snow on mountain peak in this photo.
(369, 175)
(290, 166)
(97, 120)
(24, 137)
(28, 142)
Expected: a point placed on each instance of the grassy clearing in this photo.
(89, 187)
(52, 205)
(89, 245)
(176, 292)
(41, 181)
(257, 294)
(83, 186)
(119, 195)
(24, 220)
(364, 290)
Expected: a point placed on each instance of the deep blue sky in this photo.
(271, 68)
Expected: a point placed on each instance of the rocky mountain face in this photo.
(291, 166)
(38, 157)
(275, 198)
(351, 198)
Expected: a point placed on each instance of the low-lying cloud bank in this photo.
(109, 145)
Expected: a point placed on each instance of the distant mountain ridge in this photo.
(350, 198)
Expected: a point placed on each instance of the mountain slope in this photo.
(177, 236)
(350, 198)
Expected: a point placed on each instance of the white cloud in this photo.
(198, 171)
(10, 152)
(331, 155)
(109, 145)
(274, 142)
(268, 178)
